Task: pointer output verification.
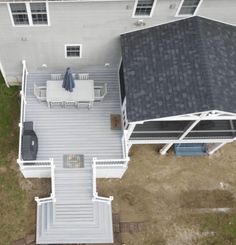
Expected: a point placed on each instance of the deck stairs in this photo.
(74, 217)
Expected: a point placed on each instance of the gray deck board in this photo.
(80, 131)
(74, 217)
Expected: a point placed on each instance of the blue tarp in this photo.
(68, 81)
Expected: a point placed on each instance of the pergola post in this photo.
(215, 147)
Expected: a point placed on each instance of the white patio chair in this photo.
(56, 104)
(74, 75)
(83, 76)
(40, 92)
(100, 91)
(84, 104)
(56, 77)
(70, 103)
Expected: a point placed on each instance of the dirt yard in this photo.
(18, 207)
(176, 197)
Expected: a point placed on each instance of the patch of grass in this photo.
(12, 198)
(9, 118)
(221, 228)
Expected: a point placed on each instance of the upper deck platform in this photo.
(67, 130)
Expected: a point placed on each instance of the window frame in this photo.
(73, 57)
(12, 14)
(29, 14)
(143, 16)
(187, 15)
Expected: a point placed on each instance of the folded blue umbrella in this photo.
(68, 81)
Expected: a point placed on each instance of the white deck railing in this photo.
(125, 147)
(22, 108)
(95, 194)
(124, 114)
(115, 162)
(32, 163)
(52, 197)
(111, 162)
(35, 163)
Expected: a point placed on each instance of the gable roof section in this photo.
(181, 67)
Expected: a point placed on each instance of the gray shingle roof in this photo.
(181, 67)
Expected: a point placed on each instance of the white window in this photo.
(39, 13)
(19, 13)
(29, 14)
(188, 7)
(143, 8)
(73, 51)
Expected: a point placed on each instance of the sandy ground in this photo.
(170, 193)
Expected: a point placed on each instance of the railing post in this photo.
(37, 200)
(52, 179)
(95, 194)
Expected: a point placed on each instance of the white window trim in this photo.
(29, 15)
(187, 15)
(76, 57)
(143, 16)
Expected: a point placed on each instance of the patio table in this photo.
(83, 92)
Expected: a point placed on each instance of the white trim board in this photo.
(212, 115)
(155, 25)
(175, 141)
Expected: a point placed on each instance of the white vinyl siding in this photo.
(188, 7)
(29, 14)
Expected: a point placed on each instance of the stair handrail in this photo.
(52, 197)
(95, 193)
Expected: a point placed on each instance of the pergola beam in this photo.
(210, 115)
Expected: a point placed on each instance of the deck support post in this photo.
(166, 147)
(215, 147)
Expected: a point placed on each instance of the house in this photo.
(170, 91)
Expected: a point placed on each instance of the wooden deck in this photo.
(75, 217)
(63, 131)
